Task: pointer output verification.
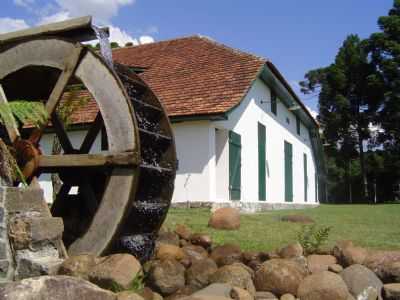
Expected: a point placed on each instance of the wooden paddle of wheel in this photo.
(126, 188)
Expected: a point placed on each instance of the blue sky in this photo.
(295, 35)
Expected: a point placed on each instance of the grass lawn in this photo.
(367, 225)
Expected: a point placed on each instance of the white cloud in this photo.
(9, 24)
(146, 39)
(102, 10)
(57, 17)
(24, 3)
(121, 37)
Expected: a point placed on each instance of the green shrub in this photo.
(312, 237)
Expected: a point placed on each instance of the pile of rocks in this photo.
(187, 265)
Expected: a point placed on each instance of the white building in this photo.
(241, 132)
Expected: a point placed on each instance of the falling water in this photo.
(105, 47)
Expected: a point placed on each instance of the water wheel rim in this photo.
(112, 101)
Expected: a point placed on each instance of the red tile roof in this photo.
(194, 75)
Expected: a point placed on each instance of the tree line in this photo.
(359, 114)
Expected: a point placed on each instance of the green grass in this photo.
(370, 226)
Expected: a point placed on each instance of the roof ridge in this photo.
(204, 38)
(232, 49)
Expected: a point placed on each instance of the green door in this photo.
(261, 163)
(305, 177)
(288, 172)
(235, 147)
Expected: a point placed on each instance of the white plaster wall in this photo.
(243, 120)
(195, 147)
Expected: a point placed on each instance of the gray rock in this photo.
(54, 288)
(392, 291)
(291, 251)
(198, 275)
(117, 270)
(215, 289)
(234, 275)
(166, 276)
(265, 296)
(78, 266)
(45, 261)
(325, 285)
(226, 254)
(279, 276)
(362, 281)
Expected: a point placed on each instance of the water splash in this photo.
(105, 48)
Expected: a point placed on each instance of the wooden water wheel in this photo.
(125, 187)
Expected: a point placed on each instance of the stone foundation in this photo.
(244, 207)
(30, 238)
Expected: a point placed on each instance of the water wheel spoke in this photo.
(9, 123)
(60, 162)
(61, 133)
(88, 194)
(92, 134)
(71, 64)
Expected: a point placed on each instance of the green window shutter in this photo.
(288, 172)
(235, 164)
(274, 104)
(261, 162)
(305, 177)
(298, 125)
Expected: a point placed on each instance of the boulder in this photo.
(288, 297)
(325, 285)
(347, 254)
(201, 239)
(54, 287)
(128, 295)
(265, 296)
(168, 237)
(236, 275)
(240, 294)
(335, 268)
(166, 276)
(167, 251)
(361, 281)
(279, 276)
(302, 219)
(319, 263)
(385, 264)
(117, 270)
(194, 252)
(183, 231)
(198, 275)
(78, 266)
(226, 218)
(226, 254)
(215, 290)
(249, 256)
(291, 251)
(391, 291)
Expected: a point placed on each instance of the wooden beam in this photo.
(61, 134)
(70, 66)
(92, 134)
(10, 124)
(88, 160)
(78, 29)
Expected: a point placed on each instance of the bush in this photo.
(312, 237)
